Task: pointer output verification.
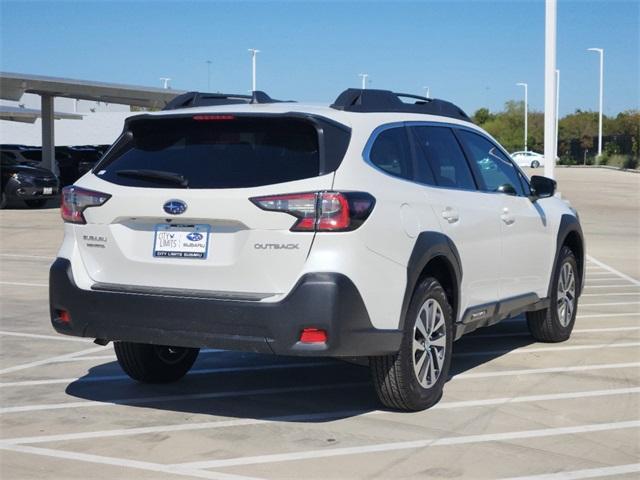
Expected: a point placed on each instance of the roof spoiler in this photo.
(201, 99)
(370, 100)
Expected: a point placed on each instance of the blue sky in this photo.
(469, 52)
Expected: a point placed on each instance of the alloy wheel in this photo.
(429, 343)
(566, 300)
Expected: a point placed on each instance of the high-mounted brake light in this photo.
(321, 211)
(211, 118)
(75, 200)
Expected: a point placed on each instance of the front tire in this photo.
(413, 378)
(535, 164)
(555, 323)
(154, 363)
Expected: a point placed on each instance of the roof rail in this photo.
(201, 99)
(360, 100)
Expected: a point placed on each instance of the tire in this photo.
(38, 203)
(3, 201)
(555, 323)
(154, 363)
(535, 164)
(395, 380)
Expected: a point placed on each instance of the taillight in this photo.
(321, 211)
(75, 200)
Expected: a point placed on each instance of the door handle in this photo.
(506, 217)
(450, 215)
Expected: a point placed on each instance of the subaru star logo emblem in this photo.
(175, 207)
(194, 236)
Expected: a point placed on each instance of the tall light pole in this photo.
(427, 92)
(165, 82)
(254, 52)
(526, 112)
(550, 88)
(364, 77)
(601, 52)
(208, 62)
(555, 155)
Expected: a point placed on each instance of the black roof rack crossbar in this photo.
(202, 99)
(370, 100)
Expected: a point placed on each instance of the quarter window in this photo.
(494, 168)
(390, 152)
(440, 156)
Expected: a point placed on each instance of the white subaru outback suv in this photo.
(384, 226)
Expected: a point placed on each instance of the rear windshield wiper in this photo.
(159, 175)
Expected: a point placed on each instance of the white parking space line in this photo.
(606, 303)
(310, 417)
(610, 294)
(608, 315)
(21, 284)
(39, 257)
(482, 353)
(46, 337)
(538, 371)
(577, 330)
(613, 270)
(395, 446)
(617, 285)
(104, 378)
(45, 361)
(121, 462)
(586, 473)
(183, 397)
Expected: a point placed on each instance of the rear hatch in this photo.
(180, 215)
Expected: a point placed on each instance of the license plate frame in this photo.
(179, 246)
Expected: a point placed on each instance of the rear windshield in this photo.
(213, 152)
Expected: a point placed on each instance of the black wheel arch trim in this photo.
(429, 246)
(570, 225)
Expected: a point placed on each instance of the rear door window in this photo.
(213, 151)
(441, 157)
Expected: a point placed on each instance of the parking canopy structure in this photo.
(14, 85)
(30, 115)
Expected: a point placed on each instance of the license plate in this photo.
(47, 190)
(181, 241)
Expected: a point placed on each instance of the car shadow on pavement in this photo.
(254, 386)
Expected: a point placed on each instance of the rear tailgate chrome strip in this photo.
(179, 292)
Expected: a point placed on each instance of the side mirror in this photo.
(542, 187)
(507, 189)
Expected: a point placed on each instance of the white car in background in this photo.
(528, 159)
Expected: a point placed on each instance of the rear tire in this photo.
(555, 323)
(38, 203)
(3, 201)
(413, 378)
(154, 363)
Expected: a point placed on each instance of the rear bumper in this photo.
(328, 301)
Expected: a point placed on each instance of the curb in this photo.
(606, 167)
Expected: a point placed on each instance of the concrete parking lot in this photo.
(512, 409)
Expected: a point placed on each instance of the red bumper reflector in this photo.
(313, 335)
(64, 316)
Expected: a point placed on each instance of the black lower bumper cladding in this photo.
(327, 301)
